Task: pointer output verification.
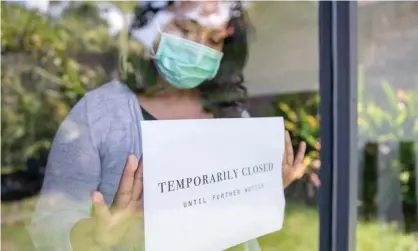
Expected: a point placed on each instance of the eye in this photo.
(184, 30)
(217, 38)
(215, 41)
(181, 25)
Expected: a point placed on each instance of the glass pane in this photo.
(55, 52)
(282, 80)
(387, 125)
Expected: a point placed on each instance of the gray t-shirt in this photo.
(88, 154)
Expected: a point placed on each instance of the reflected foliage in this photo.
(48, 63)
(387, 134)
(394, 119)
(300, 112)
(47, 66)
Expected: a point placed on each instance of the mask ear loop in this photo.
(158, 26)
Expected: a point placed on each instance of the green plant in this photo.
(300, 112)
(387, 131)
(393, 118)
(42, 78)
(385, 123)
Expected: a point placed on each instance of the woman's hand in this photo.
(113, 222)
(293, 166)
(119, 224)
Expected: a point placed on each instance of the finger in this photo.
(301, 154)
(314, 178)
(289, 149)
(100, 208)
(138, 182)
(299, 165)
(284, 160)
(316, 164)
(124, 193)
(101, 213)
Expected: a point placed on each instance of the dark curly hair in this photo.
(225, 95)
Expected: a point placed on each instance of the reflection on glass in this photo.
(388, 126)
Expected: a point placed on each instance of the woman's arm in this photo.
(72, 174)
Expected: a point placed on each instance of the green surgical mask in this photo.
(186, 64)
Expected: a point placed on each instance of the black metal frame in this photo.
(338, 109)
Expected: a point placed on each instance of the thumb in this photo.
(102, 215)
(100, 209)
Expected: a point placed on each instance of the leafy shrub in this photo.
(300, 112)
(42, 78)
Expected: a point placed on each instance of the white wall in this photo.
(284, 56)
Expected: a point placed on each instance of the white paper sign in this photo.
(211, 184)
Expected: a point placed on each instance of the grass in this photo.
(14, 217)
(300, 232)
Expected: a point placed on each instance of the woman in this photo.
(194, 70)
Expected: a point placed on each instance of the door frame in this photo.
(338, 125)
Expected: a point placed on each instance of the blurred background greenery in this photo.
(49, 63)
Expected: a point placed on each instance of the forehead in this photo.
(205, 13)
